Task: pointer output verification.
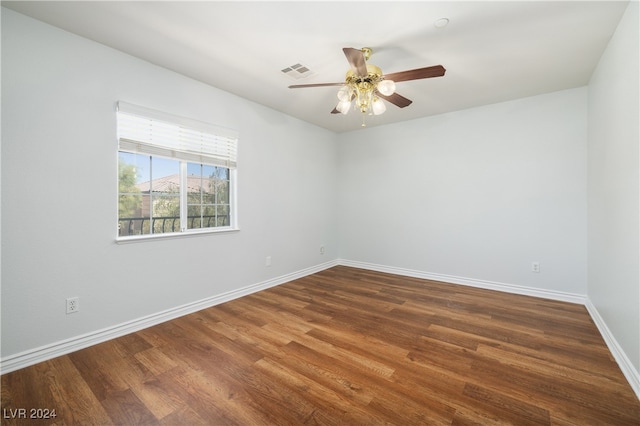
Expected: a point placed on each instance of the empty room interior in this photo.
(320, 212)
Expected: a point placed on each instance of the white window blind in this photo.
(146, 131)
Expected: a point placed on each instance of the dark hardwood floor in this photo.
(342, 347)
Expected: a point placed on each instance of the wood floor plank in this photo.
(507, 408)
(344, 346)
(551, 369)
(156, 361)
(336, 408)
(161, 402)
(324, 371)
(98, 366)
(125, 408)
(67, 387)
(207, 396)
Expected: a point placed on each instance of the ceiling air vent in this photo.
(297, 71)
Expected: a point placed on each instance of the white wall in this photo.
(59, 203)
(614, 186)
(479, 193)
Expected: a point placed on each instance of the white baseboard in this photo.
(632, 375)
(46, 352)
(471, 282)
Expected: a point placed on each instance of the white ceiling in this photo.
(493, 51)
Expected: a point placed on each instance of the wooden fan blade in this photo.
(396, 99)
(356, 60)
(417, 74)
(300, 86)
(335, 111)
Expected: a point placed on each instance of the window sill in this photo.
(173, 235)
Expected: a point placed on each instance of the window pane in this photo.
(222, 214)
(194, 183)
(208, 186)
(130, 198)
(163, 224)
(194, 196)
(209, 216)
(194, 215)
(166, 205)
(194, 169)
(128, 205)
(209, 198)
(149, 194)
(222, 173)
(223, 192)
(166, 170)
(164, 195)
(208, 171)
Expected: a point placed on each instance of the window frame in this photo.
(191, 156)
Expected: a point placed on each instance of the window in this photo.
(175, 175)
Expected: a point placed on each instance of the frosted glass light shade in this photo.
(344, 107)
(344, 94)
(378, 107)
(386, 87)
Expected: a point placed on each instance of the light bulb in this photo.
(378, 107)
(344, 94)
(386, 87)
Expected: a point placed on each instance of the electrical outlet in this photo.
(73, 305)
(267, 261)
(321, 249)
(535, 267)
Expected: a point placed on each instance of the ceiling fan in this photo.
(367, 85)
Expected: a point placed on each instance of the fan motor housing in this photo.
(374, 74)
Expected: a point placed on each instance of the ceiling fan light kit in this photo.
(386, 87)
(365, 85)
